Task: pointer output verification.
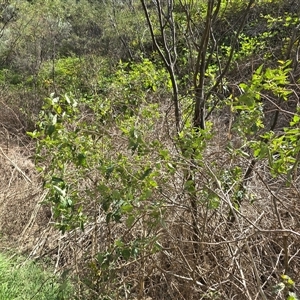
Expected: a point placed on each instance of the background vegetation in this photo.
(166, 141)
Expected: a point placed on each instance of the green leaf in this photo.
(189, 186)
(116, 196)
(247, 100)
(58, 110)
(50, 129)
(33, 134)
(261, 151)
(69, 202)
(259, 69)
(59, 190)
(146, 173)
(130, 220)
(278, 288)
(127, 208)
(67, 99)
(290, 282)
(296, 120)
(81, 160)
(106, 204)
(292, 296)
(214, 202)
(119, 243)
(285, 277)
(57, 179)
(171, 168)
(108, 218)
(109, 171)
(117, 217)
(126, 253)
(81, 225)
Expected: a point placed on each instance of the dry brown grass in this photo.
(21, 215)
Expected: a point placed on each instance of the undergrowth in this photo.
(25, 280)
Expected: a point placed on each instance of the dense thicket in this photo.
(167, 137)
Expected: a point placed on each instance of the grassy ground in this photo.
(27, 280)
